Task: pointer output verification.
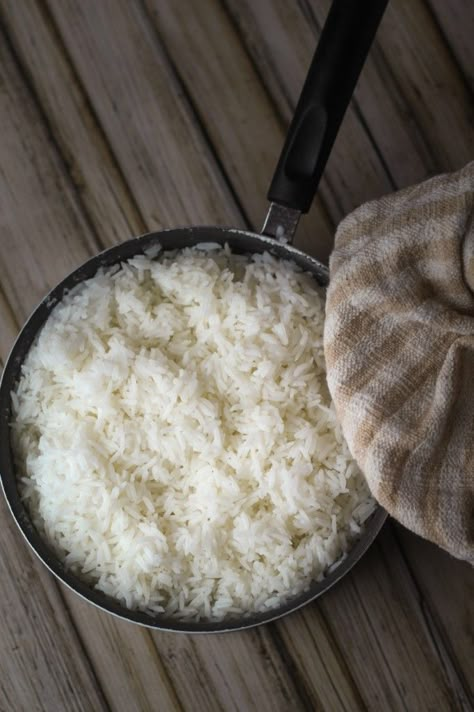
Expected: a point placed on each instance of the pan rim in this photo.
(20, 513)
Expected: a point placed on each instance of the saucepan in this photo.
(338, 60)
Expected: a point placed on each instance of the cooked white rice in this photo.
(175, 438)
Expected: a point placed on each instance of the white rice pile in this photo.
(175, 437)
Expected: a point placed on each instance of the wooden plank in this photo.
(41, 660)
(91, 165)
(201, 659)
(447, 590)
(150, 127)
(436, 96)
(39, 245)
(456, 22)
(233, 106)
(109, 651)
(371, 95)
(37, 211)
(411, 95)
(392, 657)
(241, 671)
(313, 652)
(275, 33)
(9, 326)
(294, 664)
(125, 660)
(281, 41)
(249, 660)
(384, 112)
(391, 115)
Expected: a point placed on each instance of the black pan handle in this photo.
(343, 46)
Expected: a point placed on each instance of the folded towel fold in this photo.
(399, 345)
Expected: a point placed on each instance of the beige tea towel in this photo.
(399, 343)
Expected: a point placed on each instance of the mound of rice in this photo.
(175, 438)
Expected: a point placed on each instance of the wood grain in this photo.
(411, 95)
(446, 590)
(378, 623)
(72, 124)
(282, 41)
(92, 23)
(9, 325)
(109, 650)
(150, 127)
(42, 665)
(456, 23)
(312, 651)
(34, 193)
(403, 114)
(119, 117)
(436, 95)
(230, 672)
(233, 106)
(41, 658)
(383, 110)
(378, 104)
(132, 674)
(52, 225)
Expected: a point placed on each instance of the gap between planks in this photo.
(67, 160)
(442, 645)
(425, 603)
(56, 148)
(64, 165)
(194, 109)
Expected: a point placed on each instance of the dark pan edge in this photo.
(175, 238)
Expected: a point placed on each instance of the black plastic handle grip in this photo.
(340, 55)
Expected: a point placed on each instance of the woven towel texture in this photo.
(399, 344)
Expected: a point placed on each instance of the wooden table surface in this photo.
(124, 116)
